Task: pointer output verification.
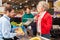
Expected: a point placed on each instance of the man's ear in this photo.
(7, 11)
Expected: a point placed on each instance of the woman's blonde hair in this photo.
(44, 4)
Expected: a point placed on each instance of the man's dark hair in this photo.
(9, 9)
(9, 3)
(27, 7)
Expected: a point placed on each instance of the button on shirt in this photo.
(5, 27)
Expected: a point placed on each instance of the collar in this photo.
(42, 14)
(6, 17)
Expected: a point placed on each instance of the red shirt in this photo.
(46, 23)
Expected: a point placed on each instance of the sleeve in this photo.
(6, 30)
(24, 18)
(32, 16)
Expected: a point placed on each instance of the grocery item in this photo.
(57, 6)
(19, 30)
(35, 38)
(13, 23)
(20, 24)
(39, 38)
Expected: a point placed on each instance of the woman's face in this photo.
(39, 8)
(28, 10)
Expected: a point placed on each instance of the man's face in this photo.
(12, 13)
(28, 11)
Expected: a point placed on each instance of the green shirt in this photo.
(26, 16)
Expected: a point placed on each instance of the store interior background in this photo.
(20, 4)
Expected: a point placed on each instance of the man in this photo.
(5, 26)
(27, 15)
(44, 19)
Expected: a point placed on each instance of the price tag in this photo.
(2, 10)
(0, 2)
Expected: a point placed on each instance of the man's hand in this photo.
(35, 18)
(19, 33)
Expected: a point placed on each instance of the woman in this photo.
(43, 19)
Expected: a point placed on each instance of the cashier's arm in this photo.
(6, 31)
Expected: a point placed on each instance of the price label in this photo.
(2, 9)
(0, 2)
